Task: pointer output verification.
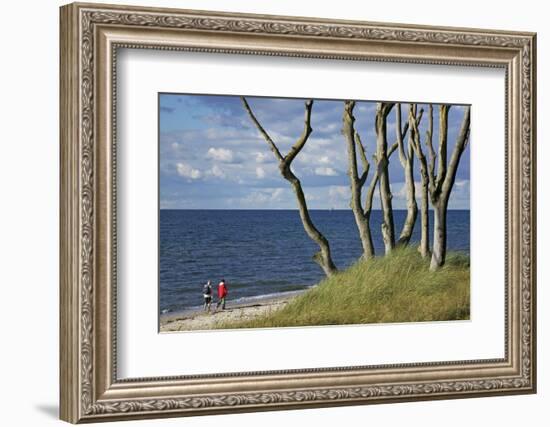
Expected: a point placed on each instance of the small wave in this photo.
(243, 300)
(271, 295)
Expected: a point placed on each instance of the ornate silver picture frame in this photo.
(91, 37)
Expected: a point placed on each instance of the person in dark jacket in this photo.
(207, 295)
(222, 294)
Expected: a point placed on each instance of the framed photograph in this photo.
(267, 212)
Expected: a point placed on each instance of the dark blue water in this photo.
(261, 252)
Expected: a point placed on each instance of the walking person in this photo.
(207, 295)
(222, 294)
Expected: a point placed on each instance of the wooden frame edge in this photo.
(69, 221)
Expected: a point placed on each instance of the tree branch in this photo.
(415, 139)
(395, 145)
(364, 160)
(323, 257)
(429, 143)
(384, 108)
(407, 161)
(370, 194)
(399, 135)
(459, 147)
(443, 129)
(349, 132)
(299, 144)
(375, 177)
(353, 143)
(262, 131)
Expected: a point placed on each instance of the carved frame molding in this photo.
(90, 37)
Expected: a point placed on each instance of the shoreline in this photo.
(197, 319)
(368, 292)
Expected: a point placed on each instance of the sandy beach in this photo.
(194, 320)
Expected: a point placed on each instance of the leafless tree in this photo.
(414, 139)
(407, 161)
(440, 186)
(323, 258)
(388, 231)
(362, 217)
(358, 180)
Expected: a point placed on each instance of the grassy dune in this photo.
(395, 288)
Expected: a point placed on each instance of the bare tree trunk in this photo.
(323, 258)
(444, 184)
(414, 140)
(374, 181)
(388, 231)
(425, 179)
(407, 161)
(440, 235)
(356, 181)
(424, 247)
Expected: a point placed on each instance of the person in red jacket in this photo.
(222, 294)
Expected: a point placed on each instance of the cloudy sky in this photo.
(213, 157)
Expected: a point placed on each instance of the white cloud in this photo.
(366, 108)
(339, 196)
(338, 192)
(399, 189)
(276, 195)
(312, 198)
(263, 157)
(260, 173)
(325, 171)
(270, 197)
(315, 156)
(220, 154)
(280, 138)
(187, 171)
(460, 195)
(216, 134)
(326, 141)
(217, 172)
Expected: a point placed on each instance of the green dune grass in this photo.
(395, 288)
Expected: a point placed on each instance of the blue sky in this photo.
(212, 156)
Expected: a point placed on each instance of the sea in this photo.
(263, 253)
